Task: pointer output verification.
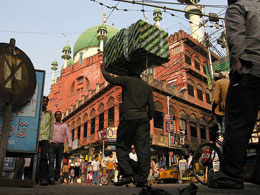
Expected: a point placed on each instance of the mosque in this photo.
(91, 106)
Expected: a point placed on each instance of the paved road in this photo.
(65, 189)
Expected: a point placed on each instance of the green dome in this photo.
(89, 38)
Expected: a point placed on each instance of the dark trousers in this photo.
(110, 173)
(66, 175)
(242, 104)
(55, 152)
(137, 132)
(43, 165)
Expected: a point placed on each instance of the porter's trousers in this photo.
(242, 105)
(137, 132)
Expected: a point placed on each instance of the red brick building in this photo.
(90, 105)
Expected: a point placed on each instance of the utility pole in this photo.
(207, 46)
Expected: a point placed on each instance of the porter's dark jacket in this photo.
(137, 96)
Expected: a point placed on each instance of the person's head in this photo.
(45, 101)
(96, 157)
(111, 155)
(182, 156)
(190, 153)
(58, 116)
(133, 150)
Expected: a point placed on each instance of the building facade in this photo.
(91, 106)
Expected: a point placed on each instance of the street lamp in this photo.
(182, 90)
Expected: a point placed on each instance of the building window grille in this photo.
(85, 129)
(188, 60)
(190, 90)
(111, 116)
(72, 134)
(197, 65)
(158, 119)
(78, 132)
(93, 121)
(200, 94)
(208, 98)
(184, 126)
(203, 132)
(193, 129)
(80, 80)
(101, 121)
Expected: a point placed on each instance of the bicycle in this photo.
(206, 159)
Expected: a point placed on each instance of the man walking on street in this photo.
(219, 99)
(134, 127)
(243, 97)
(45, 135)
(96, 171)
(66, 172)
(61, 131)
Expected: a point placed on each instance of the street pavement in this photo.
(76, 189)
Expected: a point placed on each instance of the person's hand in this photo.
(238, 66)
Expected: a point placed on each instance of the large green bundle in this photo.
(136, 48)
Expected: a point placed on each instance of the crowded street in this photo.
(112, 190)
(130, 97)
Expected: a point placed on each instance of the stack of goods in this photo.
(136, 48)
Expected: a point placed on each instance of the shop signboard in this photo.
(176, 141)
(111, 147)
(169, 123)
(102, 134)
(24, 122)
(75, 144)
(111, 134)
(9, 164)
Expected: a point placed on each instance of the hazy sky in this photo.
(41, 28)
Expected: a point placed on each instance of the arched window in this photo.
(85, 120)
(80, 79)
(190, 86)
(101, 116)
(200, 92)
(172, 112)
(72, 130)
(197, 63)
(158, 115)
(203, 128)
(92, 121)
(187, 57)
(193, 126)
(205, 67)
(208, 96)
(78, 128)
(183, 122)
(111, 111)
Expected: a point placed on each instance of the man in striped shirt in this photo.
(61, 131)
(45, 135)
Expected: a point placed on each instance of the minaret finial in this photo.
(104, 19)
(146, 17)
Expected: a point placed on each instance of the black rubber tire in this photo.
(199, 164)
